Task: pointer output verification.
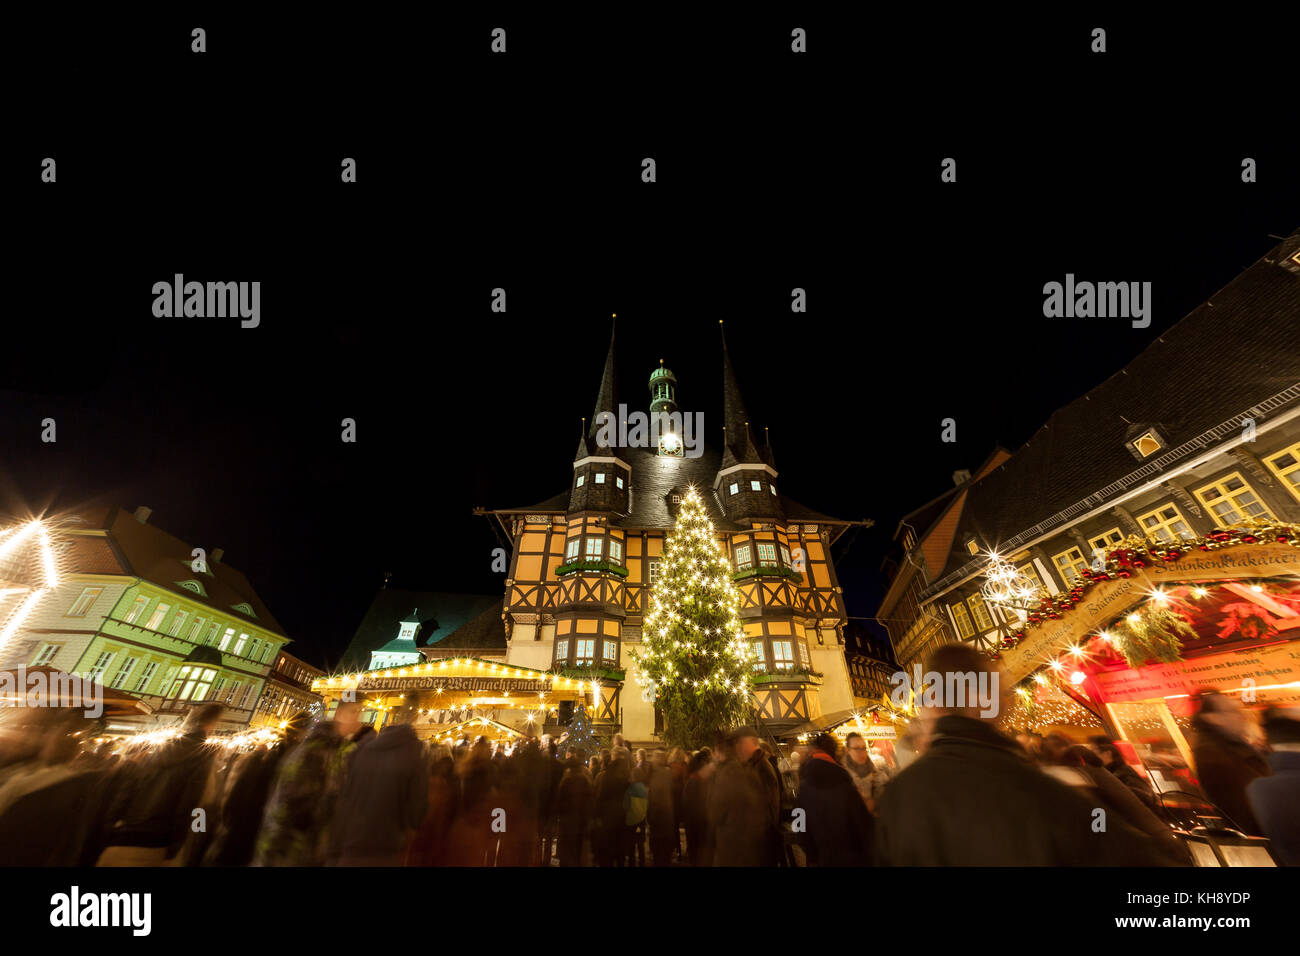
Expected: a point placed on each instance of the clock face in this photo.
(670, 445)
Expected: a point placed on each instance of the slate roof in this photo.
(440, 613)
(1229, 354)
(654, 478)
(485, 631)
(112, 541)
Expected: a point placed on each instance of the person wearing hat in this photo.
(1273, 799)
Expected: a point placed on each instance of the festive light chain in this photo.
(684, 566)
(1134, 554)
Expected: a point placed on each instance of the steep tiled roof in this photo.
(653, 480)
(482, 632)
(1230, 354)
(163, 559)
(439, 612)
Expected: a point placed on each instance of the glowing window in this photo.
(1165, 524)
(1231, 501)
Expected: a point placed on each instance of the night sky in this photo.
(774, 171)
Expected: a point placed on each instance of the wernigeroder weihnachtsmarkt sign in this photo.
(374, 682)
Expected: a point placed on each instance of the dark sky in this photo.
(925, 299)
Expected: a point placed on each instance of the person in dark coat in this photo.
(609, 824)
(573, 801)
(1226, 760)
(695, 807)
(153, 809)
(384, 798)
(662, 817)
(838, 824)
(1275, 800)
(472, 841)
(1080, 767)
(975, 799)
(429, 845)
(740, 812)
(1112, 758)
(760, 759)
(301, 805)
(245, 806)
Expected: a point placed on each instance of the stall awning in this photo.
(858, 718)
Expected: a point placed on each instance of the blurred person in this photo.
(867, 779)
(1079, 767)
(973, 798)
(637, 803)
(1275, 799)
(912, 743)
(609, 813)
(1226, 760)
(573, 803)
(1112, 758)
(664, 835)
(152, 811)
(471, 841)
(740, 805)
(429, 845)
(760, 757)
(244, 807)
(516, 842)
(695, 807)
(677, 764)
(547, 822)
(301, 804)
(42, 804)
(384, 797)
(838, 824)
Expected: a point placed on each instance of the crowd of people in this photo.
(954, 791)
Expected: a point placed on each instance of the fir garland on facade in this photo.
(1135, 553)
(1153, 633)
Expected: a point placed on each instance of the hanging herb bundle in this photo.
(1154, 633)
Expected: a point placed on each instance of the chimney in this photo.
(961, 476)
(217, 555)
(142, 514)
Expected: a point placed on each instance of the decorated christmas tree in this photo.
(694, 662)
(580, 737)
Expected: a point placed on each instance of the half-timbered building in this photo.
(584, 563)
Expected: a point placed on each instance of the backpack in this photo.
(636, 800)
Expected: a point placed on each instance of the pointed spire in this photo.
(606, 401)
(739, 442)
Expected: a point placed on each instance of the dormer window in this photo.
(1148, 444)
(244, 609)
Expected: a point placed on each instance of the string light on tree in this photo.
(695, 661)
